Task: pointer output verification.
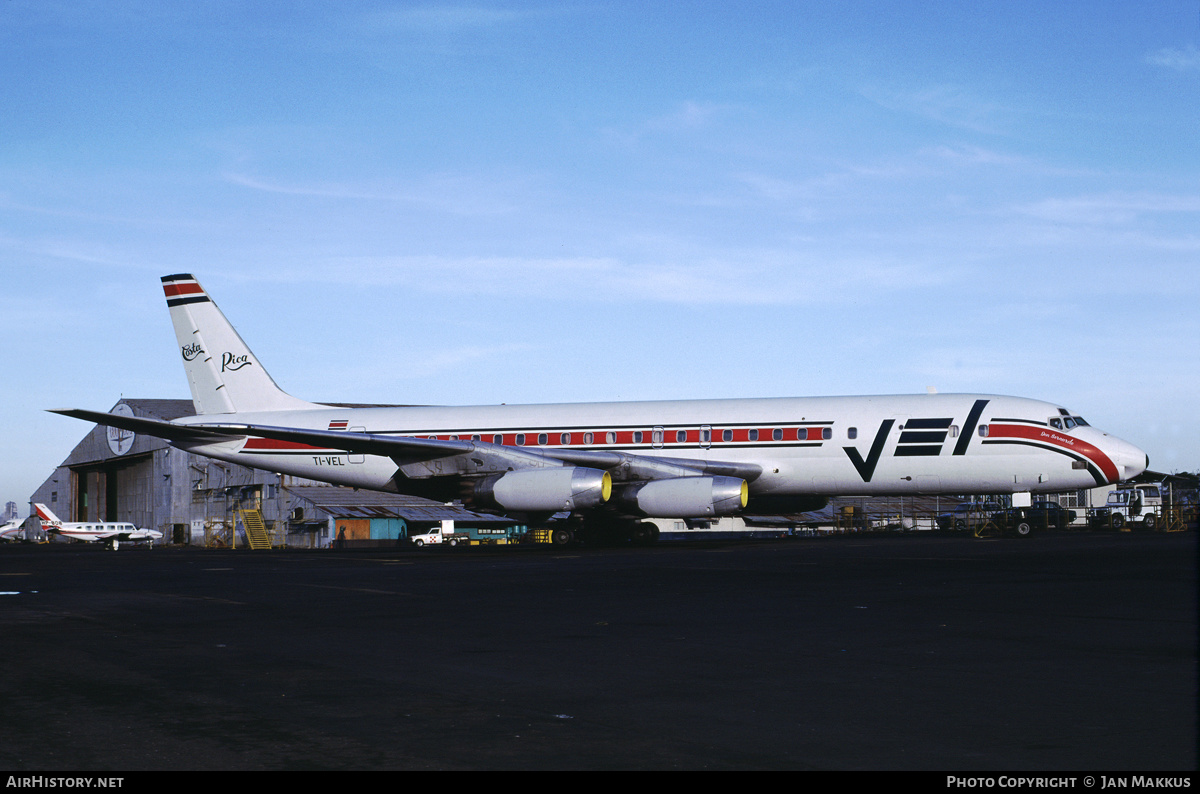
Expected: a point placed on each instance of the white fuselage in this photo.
(101, 530)
(910, 444)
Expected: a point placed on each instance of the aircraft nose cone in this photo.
(1130, 460)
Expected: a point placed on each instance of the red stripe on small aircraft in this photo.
(1046, 436)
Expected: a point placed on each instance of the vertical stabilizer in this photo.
(224, 375)
(46, 515)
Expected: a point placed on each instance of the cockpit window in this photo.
(1069, 422)
(1056, 423)
(1079, 421)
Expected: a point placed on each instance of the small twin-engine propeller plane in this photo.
(611, 465)
(111, 532)
(11, 529)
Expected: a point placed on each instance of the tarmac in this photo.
(919, 651)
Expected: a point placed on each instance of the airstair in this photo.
(256, 529)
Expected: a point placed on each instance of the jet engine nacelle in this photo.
(545, 490)
(686, 497)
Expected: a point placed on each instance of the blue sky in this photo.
(561, 201)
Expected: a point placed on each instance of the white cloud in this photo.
(438, 19)
(1109, 208)
(946, 104)
(456, 193)
(1181, 60)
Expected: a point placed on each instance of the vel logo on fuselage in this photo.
(919, 438)
(866, 468)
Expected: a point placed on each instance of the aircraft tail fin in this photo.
(46, 515)
(223, 373)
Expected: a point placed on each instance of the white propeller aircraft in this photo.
(10, 530)
(610, 465)
(112, 533)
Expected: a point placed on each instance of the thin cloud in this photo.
(438, 19)
(734, 278)
(463, 195)
(946, 104)
(1110, 208)
(1181, 60)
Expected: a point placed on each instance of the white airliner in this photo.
(112, 533)
(612, 464)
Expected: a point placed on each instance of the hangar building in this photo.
(116, 475)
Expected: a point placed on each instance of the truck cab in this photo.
(1140, 504)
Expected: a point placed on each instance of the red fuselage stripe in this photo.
(1044, 435)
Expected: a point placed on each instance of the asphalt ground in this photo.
(1071, 651)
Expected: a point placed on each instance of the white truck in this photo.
(1129, 504)
(439, 535)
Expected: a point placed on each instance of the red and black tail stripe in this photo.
(182, 289)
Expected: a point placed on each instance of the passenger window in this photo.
(983, 431)
(520, 439)
(475, 437)
(727, 435)
(564, 439)
(656, 436)
(953, 431)
(637, 436)
(542, 439)
(851, 432)
(777, 434)
(680, 436)
(610, 438)
(588, 438)
(826, 433)
(753, 435)
(497, 439)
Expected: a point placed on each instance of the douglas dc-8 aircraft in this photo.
(610, 465)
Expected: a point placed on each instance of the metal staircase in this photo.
(256, 529)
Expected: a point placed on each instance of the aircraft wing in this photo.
(411, 453)
(410, 450)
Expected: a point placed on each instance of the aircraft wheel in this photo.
(1023, 529)
(1117, 520)
(114, 544)
(645, 533)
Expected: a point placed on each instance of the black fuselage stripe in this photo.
(969, 428)
(1091, 467)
